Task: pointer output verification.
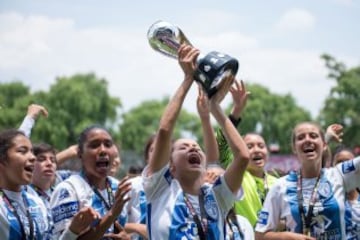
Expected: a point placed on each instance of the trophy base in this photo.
(212, 69)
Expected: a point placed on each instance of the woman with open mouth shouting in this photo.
(179, 203)
(22, 215)
(92, 187)
(311, 200)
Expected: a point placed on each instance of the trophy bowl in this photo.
(211, 68)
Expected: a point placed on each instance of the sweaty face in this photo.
(45, 167)
(19, 166)
(258, 151)
(187, 157)
(343, 156)
(308, 144)
(98, 153)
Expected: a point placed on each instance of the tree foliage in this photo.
(140, 122)
(271, 115)
(73, 103)
(12, 107)
(342, 104)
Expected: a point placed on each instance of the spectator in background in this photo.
(352, 204)
(257, 181)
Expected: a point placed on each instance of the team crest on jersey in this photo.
(324, 189)
(211, 208)
(263, 217)
(348, 166)
(64, 193)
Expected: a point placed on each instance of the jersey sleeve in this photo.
(26, 125)
(156, 184)
(225, 197)
(350, 171)
(269, 216)
(64, 204)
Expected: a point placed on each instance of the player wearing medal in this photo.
(311, 200)
(180, 205)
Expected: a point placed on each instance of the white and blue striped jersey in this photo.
(73, 194)
(137, 203)
(10, 228)
(168, 216)
(246, 230)
(329, 209)
(352, 219)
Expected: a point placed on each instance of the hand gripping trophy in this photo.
(211, 68)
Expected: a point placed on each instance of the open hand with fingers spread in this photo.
(121, 195)
(240, 95)
(83, 219)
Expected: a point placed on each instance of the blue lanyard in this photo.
(11, 207)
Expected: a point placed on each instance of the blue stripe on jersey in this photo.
(148, 209)
(183, 225)
(142, 205)
(15, 230)
(348, 166)
(326, 214)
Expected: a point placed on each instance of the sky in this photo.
(278, 43)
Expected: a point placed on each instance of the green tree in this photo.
(342, 104)
(14, 98)
(271, 115)
(74, 103)
(139, 123)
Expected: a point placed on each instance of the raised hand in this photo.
(202, 104)
(121, 195)
(34, 110)
(239, 95)
(334, 132)
(187, 56)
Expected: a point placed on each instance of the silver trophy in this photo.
(211, 68)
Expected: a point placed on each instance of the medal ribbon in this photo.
(10, 204)
(203, 223)
(306, 220)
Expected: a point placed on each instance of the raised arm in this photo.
(162, 147)
(69, 153)
(239, 95)
(33, 112)
(234, 173)
(210, 144)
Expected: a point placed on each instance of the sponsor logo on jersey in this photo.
(263, 217)
(348, 166)
(64, 211)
